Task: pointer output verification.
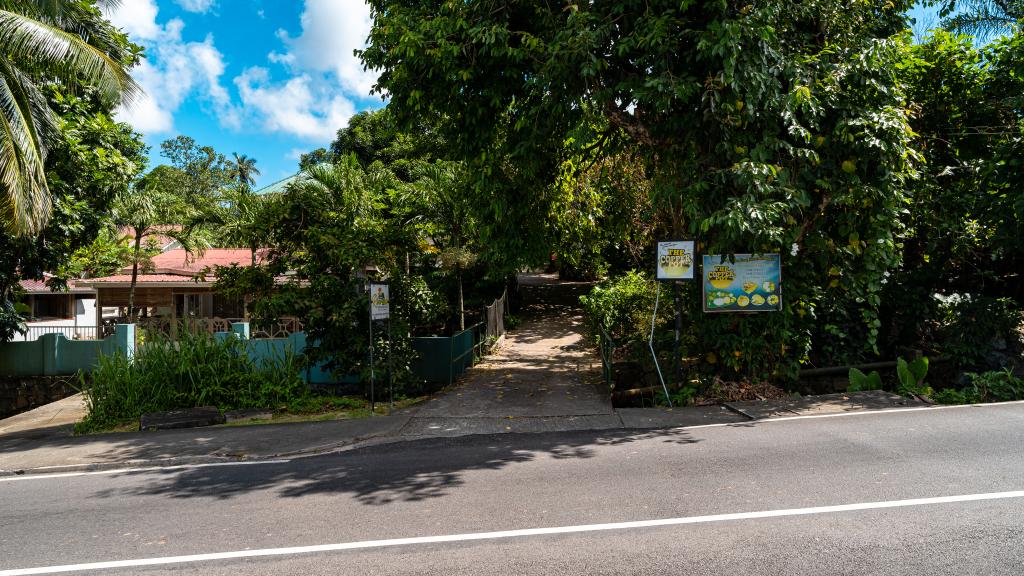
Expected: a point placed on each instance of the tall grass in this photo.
(195, 370)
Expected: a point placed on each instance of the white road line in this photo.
(856, 413)
(145, 469)
(508, 534)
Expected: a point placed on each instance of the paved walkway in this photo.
(60, 414)
(544, 378)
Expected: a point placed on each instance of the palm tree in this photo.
(439, 194)
(151, 208)
(44, 41)
(241, 219)
(982, 18)
(243, 168)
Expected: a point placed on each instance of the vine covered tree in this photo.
(769, 127)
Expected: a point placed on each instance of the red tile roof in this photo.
(180, 262)
(149, 279)
(40, 286)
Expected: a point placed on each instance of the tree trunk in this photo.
(135, 276)
(462, 310)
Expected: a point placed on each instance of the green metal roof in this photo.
(279, 186)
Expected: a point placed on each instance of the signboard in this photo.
(676, 260)
(750, 284)
(380, 302)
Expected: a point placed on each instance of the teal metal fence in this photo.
(442, 359)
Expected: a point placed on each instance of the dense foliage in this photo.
(194, 370)
(884, 172)
(63, 43)
(94, 161)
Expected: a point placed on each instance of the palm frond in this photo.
(25, 204)
(65, 55)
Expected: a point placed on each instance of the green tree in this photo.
(440, 205)
(980, 18)
(243, 169)
(771, 127)
(108, 254)
(62, 41)
(325, 234)
(242, 218)
(201, 173)
(155, 207)
(92, 161)
(376, 136)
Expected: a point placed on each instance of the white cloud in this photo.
(311, 102)
(331, 31)
(200, 6)
(299, 107)
(172, 71)
(137, 18)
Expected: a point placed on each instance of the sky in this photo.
(270, 79)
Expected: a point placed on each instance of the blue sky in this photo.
(266, 78)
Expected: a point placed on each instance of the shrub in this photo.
(993, 386)
(974, 327)
(859, 381)
(622, 306)
(196, 370)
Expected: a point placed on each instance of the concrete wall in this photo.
(55, 355)
(85, 311)
(269, 350)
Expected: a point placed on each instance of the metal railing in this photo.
(162, 324)
(70, 332)
(607, 347)
(283, 328)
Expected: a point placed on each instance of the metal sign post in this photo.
(380, 309)
(675, 263)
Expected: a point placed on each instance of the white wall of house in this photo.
(85, 311)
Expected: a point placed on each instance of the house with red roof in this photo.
(178, 286)
(71, 311)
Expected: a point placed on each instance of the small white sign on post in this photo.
(380, 302)
(675, 260)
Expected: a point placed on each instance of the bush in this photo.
(622, 306)
(978, 331)
(994, 386)
(23, 309)
(196, 370)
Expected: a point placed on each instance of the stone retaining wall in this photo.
(28, 392)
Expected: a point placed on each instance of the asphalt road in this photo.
(463, 486)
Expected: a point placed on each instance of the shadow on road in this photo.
(377, 476)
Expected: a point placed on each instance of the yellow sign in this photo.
(675, 260)
(742, 283)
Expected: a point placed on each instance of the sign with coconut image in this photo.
(749, 283)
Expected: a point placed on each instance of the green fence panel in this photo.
(462, 352)
(434, 359)
(273, 350)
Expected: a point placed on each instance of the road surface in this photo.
(937, 491)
